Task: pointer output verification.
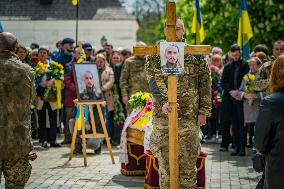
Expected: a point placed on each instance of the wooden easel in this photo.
(172, 84)
(84, 136)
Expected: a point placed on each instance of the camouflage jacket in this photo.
(16, 93)
(262, 77)
(194, 88)
(133, 76)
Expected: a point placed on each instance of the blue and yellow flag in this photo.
(197, 25)
(245, 30)
(1, 27)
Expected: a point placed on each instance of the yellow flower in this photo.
(147, 96)
(62, 72)
(246, 78)
(251, 77)
(80, 60)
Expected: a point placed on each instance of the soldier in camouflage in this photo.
(262, 76)
(133, 77)
(16, 94)
(194, 99)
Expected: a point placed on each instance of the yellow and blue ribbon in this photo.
(78, 117)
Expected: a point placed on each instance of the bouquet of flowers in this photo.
(39, 69)
(249, 87)
(55, 71)
(118, 117)
(141, 101)
(216, 85)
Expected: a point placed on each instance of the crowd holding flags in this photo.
(245, 31)
(197, 24)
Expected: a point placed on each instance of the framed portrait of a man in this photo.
(172, 58)
(88, 85)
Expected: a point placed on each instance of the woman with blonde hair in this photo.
(269, 129)
(107, 81)
(213, 127)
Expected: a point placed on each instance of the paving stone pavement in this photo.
(52, 170)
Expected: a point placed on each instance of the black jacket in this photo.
(269, 139)
(227, 83)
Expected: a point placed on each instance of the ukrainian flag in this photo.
(197, 25)
(1, 28)
(245, 30)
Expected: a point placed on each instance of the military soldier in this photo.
(133, 77)
(16, 94)
(194, 106)
(263, 74)
(90, 93)
(172, 66)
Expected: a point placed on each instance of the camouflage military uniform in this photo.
(133, 77)
(16, 94)
(85, 95)
(262, 77)
(194, 99)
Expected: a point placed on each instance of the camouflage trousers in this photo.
(189, 145)
(16, 172)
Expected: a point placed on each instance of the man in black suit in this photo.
(231, 112)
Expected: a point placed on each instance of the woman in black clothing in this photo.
(269, 129)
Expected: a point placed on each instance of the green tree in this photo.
(221, 17)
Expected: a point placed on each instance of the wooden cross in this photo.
(172, 84)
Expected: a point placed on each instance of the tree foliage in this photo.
(148, 14)
(220, 20)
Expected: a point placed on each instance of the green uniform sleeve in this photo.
(204, 84)
(155, 78)
(124, 78)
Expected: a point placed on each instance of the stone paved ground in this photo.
(53, 170)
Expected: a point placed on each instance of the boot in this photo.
(236, 152)
(242, 152)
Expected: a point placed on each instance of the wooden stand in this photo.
(84, 136)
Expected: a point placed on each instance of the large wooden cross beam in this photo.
(172, 85)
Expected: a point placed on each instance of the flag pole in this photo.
(77, 17)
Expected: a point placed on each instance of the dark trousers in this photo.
(225, 131)
(239, 134)
(213, 125)
(34, 124)
(42, 123)
(250, 130)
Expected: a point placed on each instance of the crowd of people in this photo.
(119, 73)
(238, 88)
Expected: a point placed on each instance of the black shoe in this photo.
(242, 152)
(249, 146)
(44, 144)
(115, 144)
(223, 149)
(55, 145)
(98, 151)
(66, 142)
(235, 153)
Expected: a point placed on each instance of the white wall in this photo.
(119, 33)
